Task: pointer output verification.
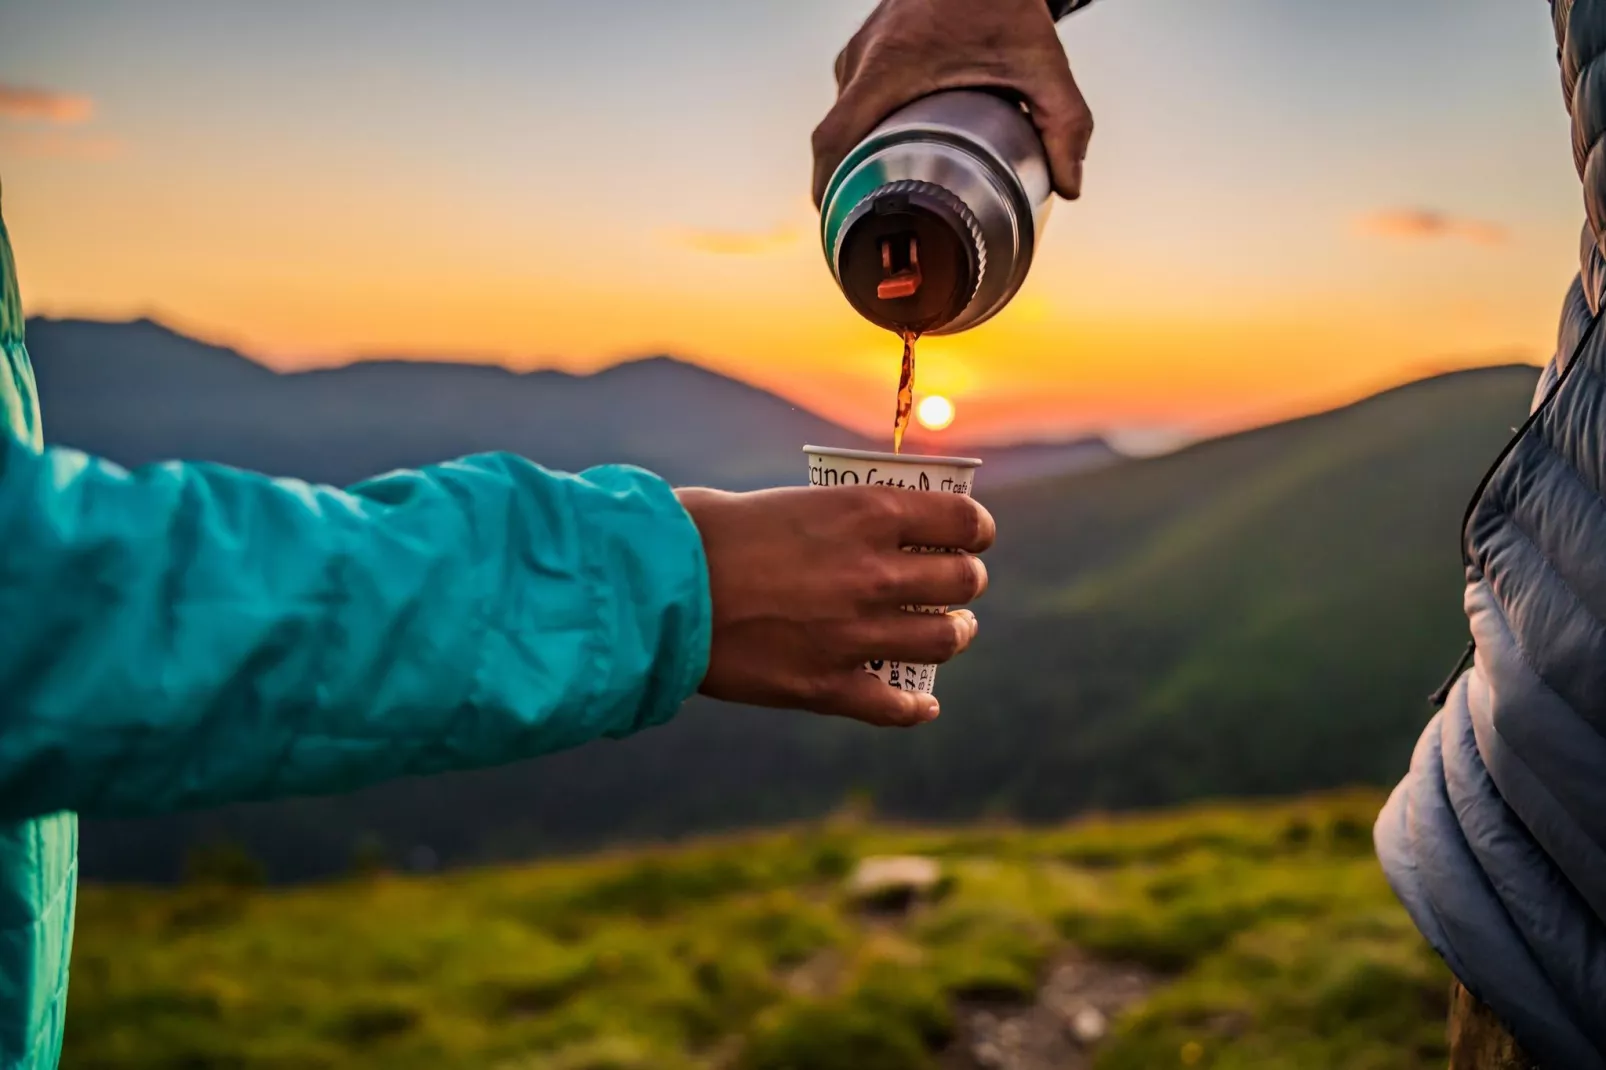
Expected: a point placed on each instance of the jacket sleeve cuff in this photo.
(656, 598)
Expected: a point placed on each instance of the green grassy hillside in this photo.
(1264, 936)
(1262, 613)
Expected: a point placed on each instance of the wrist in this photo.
(692, 501)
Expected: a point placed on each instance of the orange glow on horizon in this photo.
(1087, 345)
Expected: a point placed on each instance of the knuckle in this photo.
(1067, 109)
(819, 693)
(952, 639)
(896, 710)
(972, 521)
(972, 576)
(1071, 137)
(850, 698)
(895, 715)
(881, 579)
(839, 646)
(880, 511)
(986, 529)
(841, 67)
(835, 690)
(828, 134)
(959, 634)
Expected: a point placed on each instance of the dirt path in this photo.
(1079, 1000)
(1075, 1006)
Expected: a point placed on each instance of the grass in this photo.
(1278, 939)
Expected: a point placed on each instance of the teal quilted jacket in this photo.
(186, 635)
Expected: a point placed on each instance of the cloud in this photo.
(43, 105)
(1425, 224)
(58, 146)
(734, 242)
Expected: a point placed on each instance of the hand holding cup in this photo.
(809, 584)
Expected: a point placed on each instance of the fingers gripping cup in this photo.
(829, 467)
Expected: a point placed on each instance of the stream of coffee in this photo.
(906, 391)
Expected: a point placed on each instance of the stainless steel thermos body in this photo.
(930, 223)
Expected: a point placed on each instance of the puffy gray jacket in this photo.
(1496, 839)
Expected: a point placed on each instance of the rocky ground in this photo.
(1078, 1002)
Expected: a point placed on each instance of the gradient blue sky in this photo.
(315, 182)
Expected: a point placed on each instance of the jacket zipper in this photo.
(1442, 695)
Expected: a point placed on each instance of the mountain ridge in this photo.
(343, 423)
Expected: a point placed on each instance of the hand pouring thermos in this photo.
(930, 223)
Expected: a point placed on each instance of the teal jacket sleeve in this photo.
(184, 635)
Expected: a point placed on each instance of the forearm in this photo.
(186, 635)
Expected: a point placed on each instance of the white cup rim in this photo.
(915, 459)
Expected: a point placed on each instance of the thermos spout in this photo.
(897, 284)
(929, 225)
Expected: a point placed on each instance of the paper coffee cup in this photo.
(830, 467)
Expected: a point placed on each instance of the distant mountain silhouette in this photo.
(137, 392)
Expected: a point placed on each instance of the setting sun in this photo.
(935, 412)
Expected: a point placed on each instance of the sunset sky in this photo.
(1287, 205)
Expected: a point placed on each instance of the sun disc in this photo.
(935, 412)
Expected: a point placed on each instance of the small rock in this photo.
(1066, 976)
(894, 881)
(1060, 1005)
(1012, 1033)
(988, 1055)
(1088, 1026)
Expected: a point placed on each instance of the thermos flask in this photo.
(929, 225)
